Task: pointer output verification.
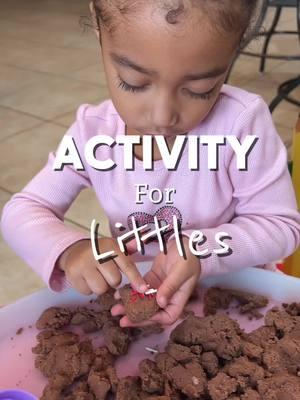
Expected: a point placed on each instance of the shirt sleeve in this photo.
(32, 221)
(266, 224)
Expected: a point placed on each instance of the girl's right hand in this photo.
(89, 276)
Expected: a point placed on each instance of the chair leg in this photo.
(298, 17)
(283, 92)
(269, 37)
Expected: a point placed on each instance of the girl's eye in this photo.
(204, 96)
(130, 88)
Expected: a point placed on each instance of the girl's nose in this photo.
(164, 114)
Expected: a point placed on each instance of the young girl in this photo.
(165, 64)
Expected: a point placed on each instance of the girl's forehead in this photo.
(151, 21)
(152, 42)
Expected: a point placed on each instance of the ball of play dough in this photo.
(139, 307)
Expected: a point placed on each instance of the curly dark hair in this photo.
(226, 15)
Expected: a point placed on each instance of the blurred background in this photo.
(49, 66)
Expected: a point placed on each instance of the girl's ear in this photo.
(94, 20)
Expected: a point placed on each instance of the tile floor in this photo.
(48, 67)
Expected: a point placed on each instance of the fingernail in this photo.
(123, 324)
(143, 288)
(162, 302)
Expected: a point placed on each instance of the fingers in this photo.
(166, 316)
(95, 281)
(131, 271)
(171, 284)
(126, 323)
(81, 286)
(123, 262)
(110, 272)
(173, 311)
(117, 309)
(152, 278)
(163, 317)
(117, 295)
(90, 281)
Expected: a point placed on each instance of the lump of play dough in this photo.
(222, 386)
(210, 363)
(214, 333)
(263, 337)
(283, 356)
(248, 303)
(129, 388)
(282, 321)
(249, 371)
(54, 318)
(180, 353)
(71, 360)
(206, 358)
(107, 300)
(116, 339)
(292, 308)
(99, 384)
(49, 339)
(90, 320)
(280, 386)
(152, 379)
(138, 307)
(190, 379)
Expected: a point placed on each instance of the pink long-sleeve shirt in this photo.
(257, 207)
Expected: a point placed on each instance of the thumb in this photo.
(173, 282)
(152, 279)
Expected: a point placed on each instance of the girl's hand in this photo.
(175, 279)
(89, 276)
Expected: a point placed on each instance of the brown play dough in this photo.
(107, 300)
(206, 358)
(117, 339)
(219, 334)
(90, 320)
(248, 303)
(138, 307)
(54, 317)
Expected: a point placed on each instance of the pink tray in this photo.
(17, 362)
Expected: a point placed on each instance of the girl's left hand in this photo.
(175, 278)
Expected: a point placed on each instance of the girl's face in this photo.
(164, 79)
